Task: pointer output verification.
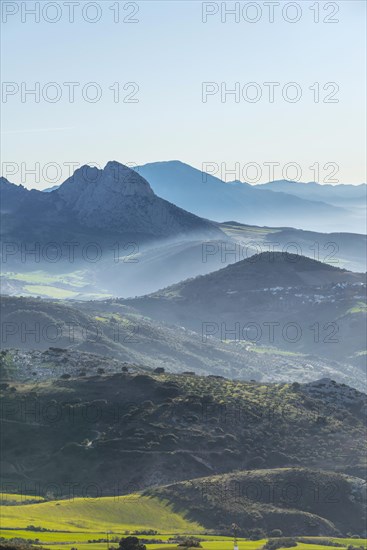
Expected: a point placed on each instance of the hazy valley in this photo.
(184, 363)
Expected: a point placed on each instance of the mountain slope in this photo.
(127, 269)
(296, 500)
(289, 301)
(255, 499)
(344, 250)
(101, 233)
(143, 430)
(301, 500)
(112, 330)
(95, 203)
(208, 196)
(112, 514)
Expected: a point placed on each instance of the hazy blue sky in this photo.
(169, 53)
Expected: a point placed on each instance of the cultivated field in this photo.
(85, 524)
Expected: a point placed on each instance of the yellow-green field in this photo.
(360, 307)
(74, 541)
(131, 512)
(50, 291)
(207, 545)
(77, 521)
(41, 283)
(81, 539)
(42, 277)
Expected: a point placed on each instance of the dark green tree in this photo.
(131, 543)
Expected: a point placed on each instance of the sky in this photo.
(150, 81)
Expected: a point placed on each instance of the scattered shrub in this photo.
(281, 542)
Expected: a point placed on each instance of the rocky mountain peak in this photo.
(114, 200)
(91, 183)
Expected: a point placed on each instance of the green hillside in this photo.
(130, 512)
(300, 500)
(112, 329)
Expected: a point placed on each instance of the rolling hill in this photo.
(301, 500)
(110, 329)
(127, 270)
(344, 250)
(115, 513)
(285, 300)
(132, 430)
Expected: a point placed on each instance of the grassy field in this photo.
(360, 307)
(226, 543)
(72, 540)
(207, 545)
(52, 286)
(43, 278)
(75, 522)
(132, 512)
(49, 291)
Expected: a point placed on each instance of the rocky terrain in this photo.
(111, 329)
(144, 429)
(102, 204)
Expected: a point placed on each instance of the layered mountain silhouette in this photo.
(339, 195)
(161, 243)
(310, 206)
(209, 196)
(94, 202)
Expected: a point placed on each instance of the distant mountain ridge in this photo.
(309, 206)
(339, 194)
(147, 243)
(115, 200)
(209, 196)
